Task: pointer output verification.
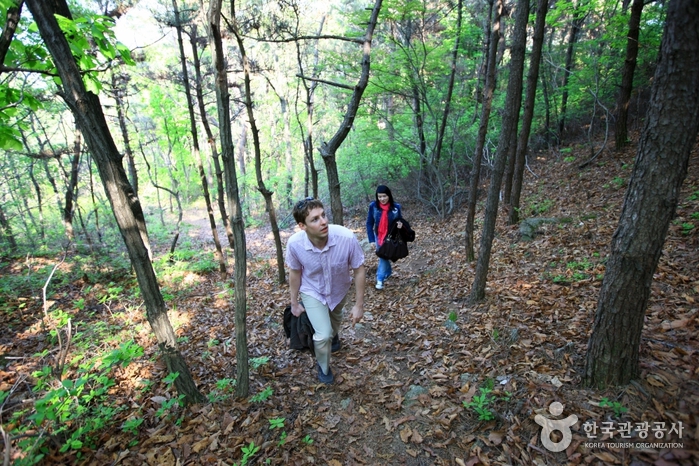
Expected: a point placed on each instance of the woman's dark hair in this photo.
(381, 189)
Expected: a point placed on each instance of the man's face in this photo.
(316, 224)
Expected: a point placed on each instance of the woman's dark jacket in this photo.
(405, 232)
(374, 217)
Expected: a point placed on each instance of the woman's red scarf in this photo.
(383, 223)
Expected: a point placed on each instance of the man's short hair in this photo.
(302, 208)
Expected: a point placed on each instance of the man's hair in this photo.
(302, 208)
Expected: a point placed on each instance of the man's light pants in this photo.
(325, 325)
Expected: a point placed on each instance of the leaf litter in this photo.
(404, 376)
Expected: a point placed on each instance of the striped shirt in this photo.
(325, 273)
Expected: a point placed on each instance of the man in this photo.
(320, 257)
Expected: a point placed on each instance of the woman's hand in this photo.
(373, 245)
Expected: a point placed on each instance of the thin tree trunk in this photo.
(668, 136)
(221, 195)
(509, 124)
(119, 85)
(195, 145)
(309, 163)
(329, 149)
(72, 187)
(6, 231)
(236, 216)
(488, 90)
(125, 205)
(266, 193)
(575, 26)
(621, 129)
(528, 114)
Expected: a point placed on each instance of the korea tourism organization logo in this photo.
(609, 434)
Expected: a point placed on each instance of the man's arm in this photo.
(359, 285)
(294, 285)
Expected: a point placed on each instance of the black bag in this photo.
(393, 247)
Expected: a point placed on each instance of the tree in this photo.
(488, 91)
(195, 143)
(579, 15)
(509, 125)
(127, 210)
(622, 106)
(329, 149)
(233, 195)
(528, 113)
(669, 133)
(266, 193)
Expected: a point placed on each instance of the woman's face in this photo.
(383, 198)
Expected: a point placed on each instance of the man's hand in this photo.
(356, 314)
(297, 309)
(399, 224)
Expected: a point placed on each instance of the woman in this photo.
(382, 212)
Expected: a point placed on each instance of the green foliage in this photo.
(74, 409)
(687, 228)
(453, 316)
(541, 207)
(307, 440)
(276, 423)
(248, 452)
(616, 406)
(480, 404)
(262, 396)
(256, 363)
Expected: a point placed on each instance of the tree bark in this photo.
(575, 26)
(119, 84)
(220, 258)
(528, 113)
(329, 149)
(622, 106)
(266, 193)
(509, 124)
(488, 91)
(236, 217)
(220, 193)
(669, 133)
(126, 208)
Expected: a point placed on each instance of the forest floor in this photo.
(422, 353)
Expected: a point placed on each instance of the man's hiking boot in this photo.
(325, 378)
(336, 344)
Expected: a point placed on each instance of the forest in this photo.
(545, 153)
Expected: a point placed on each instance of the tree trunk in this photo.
(528, 114)
(236, 216)
(622, 105)
(329, 149)
(575, 26)
(266, 193)
(488, 90)
(88, 114)
(195, 144)
(668, 136)
(509, 124)
(119, 84)
(6, 231)
(72, 188)
(221, 196)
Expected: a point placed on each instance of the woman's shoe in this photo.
(379, 285)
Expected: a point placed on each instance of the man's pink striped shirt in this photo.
(325, 273)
